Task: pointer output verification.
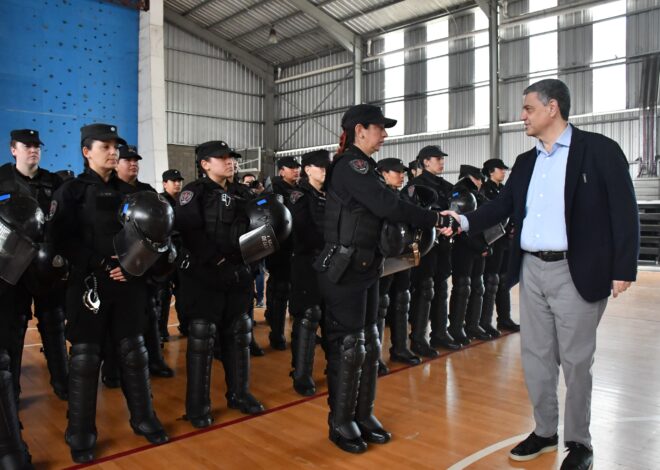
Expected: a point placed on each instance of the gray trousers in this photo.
(558, 327)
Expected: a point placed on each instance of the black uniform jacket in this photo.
(307, 206)
(70, 218)
(602, 220)
(354, 179)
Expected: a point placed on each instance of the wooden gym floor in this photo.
(462, 410)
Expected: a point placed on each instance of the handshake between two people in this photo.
(449, 223)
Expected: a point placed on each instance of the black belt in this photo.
(549, 256)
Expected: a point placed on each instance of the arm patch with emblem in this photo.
(185, 197)
(295, 196)
(359, 165)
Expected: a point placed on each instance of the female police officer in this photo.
(210, 217)
(350, 265)
(307, 205)
(101, 296)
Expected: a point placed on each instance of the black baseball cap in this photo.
(289, 162)
(26, 136)
(470, 170)
(172, 175)
(103, 132)
(365, 114)
(430, 151)
(490, 165)
(320, 158)
(129, 152)
(391, 164)
(215, 148)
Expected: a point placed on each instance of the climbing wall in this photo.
(65, 64)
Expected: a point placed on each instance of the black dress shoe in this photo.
(354, 446)
(508, 325)
(373, 432)
(160, 369)
(579, 457)
(478, 333)
(493, 332)
(405, 356)
(460, 337)
(152, 430)
(382, 368)
(82, 446)
(277, 341)
(199, 422)
(424, 350)
(446, 342)
(255, 349)
(246, 403)
(533, 446)
(110, 382)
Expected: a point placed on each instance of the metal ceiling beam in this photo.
(338, 31)
(197, 7)
(238, 13)
(254, 63)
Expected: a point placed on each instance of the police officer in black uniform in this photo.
(21, 224)
(172, 185)
(495, 278)
(350, 265)
(278, 264)
(128, 169)
(394, 301)
(41, 281)
(307, 205)
(101, 297)
(429, 280)
(468, 261)
(210, 217)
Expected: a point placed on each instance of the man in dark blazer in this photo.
(578, 240)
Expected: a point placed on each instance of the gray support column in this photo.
(270, 143)
(493, 51)
(357, 71)
(152, 120)
(415, 82)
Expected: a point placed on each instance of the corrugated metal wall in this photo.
(310, 108)
(209, 96)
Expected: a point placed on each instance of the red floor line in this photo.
(232, 422)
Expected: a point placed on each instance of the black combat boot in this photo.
(236, 360)
(199, 358)
(136, 386)
(345, 358)
(51, 329)
(80, 433)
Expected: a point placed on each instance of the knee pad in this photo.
(241, 329)
(5, 360)
(426, 289)
(201, 335)
(491, 282)
(462, 285)
(133, 352)
(352, 348)
(85, 358)
(371, 343)
(477, 287)
(383, 305)
(311, 317)
(402, 299)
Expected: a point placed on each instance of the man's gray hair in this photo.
(552, 89)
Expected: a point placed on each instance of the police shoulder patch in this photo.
(359, 165)
(295, 196)
(185, 197)
(53, 209)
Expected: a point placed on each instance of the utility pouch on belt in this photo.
(334, 260)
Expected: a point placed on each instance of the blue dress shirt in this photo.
(544, 225)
